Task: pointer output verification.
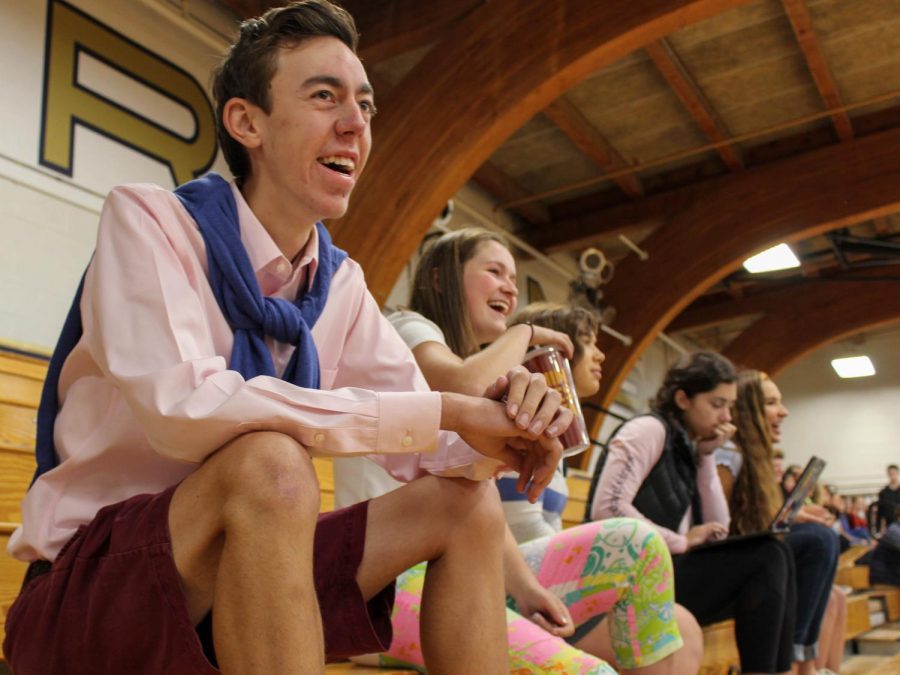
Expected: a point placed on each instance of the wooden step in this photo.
(12, 572)
(857, 616)
(862, 664)
(883, 641)
(856, 577)
(891, 599)
(719, 649)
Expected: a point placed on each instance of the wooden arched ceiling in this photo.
(583, 120)
(710, 228)
(490, 73)
(798, 321)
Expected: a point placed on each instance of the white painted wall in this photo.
(853, 424)
(48, 222)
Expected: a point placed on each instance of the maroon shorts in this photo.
(112, 602)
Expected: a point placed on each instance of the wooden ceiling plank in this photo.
(247, 9)
(390, 27)
(592, 143)
(491, 72)
(827, 311)
(801, 22)
(672, 68)
(504, 187)
(703, 315)
(792, 199)
(882, 226)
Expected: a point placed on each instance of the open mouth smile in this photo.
(339, 164)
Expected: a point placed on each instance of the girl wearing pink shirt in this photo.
(660, 468)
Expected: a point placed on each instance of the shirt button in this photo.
(406, 442)
(282, 267)
(318, 438)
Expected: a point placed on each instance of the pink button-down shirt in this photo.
(147, 394)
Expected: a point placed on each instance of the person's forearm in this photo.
(517, 575)
(482, 369)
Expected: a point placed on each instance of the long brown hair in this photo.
(755, 498)
(438, 292)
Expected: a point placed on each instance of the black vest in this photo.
(671, 485)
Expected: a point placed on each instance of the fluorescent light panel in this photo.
(779, 257)
(853, 366)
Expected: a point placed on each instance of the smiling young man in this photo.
(219, 340)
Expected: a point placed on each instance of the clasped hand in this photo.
(535, 418)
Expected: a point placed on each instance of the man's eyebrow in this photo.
(336, 82)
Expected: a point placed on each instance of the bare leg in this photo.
(242, 529)
(458, 526)
(831, 636)
(686, 661)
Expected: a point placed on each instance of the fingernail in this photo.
(553, 430)
(522, 421)
(536, 427)
(513, 409)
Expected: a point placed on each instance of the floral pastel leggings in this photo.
(619, 566)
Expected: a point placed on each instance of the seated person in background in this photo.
(749, 483)
(790, 478)
(577, 598)
(856, 515)
(889, 499)
(854, 533)
(884, 561)
(660, 467)
(219, 340)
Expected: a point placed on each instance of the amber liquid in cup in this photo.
(555, 367)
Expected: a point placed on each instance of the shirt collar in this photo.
(269, 264)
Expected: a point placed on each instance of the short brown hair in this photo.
(579, 323)
(248, 68)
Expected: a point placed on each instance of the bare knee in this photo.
(468, 507)
(270, 475)
(691, 634)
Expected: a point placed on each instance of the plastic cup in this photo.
(554, 366)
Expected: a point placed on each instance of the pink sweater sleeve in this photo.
(632, 455)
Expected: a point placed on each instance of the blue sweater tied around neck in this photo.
(251, 315)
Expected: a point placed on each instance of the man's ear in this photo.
(241, 120)
(682, 400)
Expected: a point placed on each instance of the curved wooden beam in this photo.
(491, 72)
(811, 317)
(736, 216)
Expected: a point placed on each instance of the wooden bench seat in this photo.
(21, 380)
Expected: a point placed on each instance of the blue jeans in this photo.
(815, 549)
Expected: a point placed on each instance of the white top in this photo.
(730, 457)
(357, 479)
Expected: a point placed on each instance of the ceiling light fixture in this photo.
(779, 257)
(853, 366)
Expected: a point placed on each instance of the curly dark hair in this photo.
(579, 323)
(693, 374)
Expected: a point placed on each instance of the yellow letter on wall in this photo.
(67, 102)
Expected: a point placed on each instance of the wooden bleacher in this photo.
(21, 380)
